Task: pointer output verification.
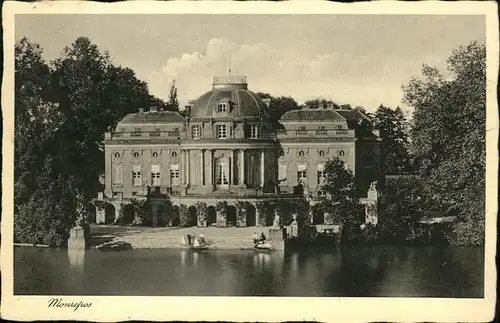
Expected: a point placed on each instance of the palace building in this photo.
(225, 151)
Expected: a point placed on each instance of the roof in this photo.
(247, 104)
(153, 117)
(312, 115)
(352, 117)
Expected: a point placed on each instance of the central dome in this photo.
(232, 91)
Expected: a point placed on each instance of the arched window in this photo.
(341, 153)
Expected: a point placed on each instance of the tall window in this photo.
(282, 169)
(136, 176)
(253, 131)
(321, 175)
(302, 174)
(155, 175)
(117, 174)
(195, 132)
(222, 131)
(174, 175)
(222, 173)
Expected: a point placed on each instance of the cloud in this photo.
(300, 74)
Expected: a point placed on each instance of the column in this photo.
(202, 164)
(262, 169)
(231, 168)
(187, 167)
(183, 168)
(242, 167)
(211, 168)
(257, 218)
(154, 211)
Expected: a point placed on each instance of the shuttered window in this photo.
(155, 175)
(136, 176)
(282, 170)
(117, 174)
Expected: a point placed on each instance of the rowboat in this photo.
(263, 246)
(200, 247)
(194, 246)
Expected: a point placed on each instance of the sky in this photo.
(360, 60)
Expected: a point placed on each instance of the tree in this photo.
(43, 208)
(404, 202)
(133, 94)
(62, 111)
(342, 203)
(173, 102)
(82, 80)
(394, 130)
(448, 136)
(318, 102)
(278, 106)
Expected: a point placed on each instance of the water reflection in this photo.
(382, 271)
(262, 261)
(76, 265)
(76, 259)
(183, 257)
(195, 258)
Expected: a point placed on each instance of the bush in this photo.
(201, 213)
(43, 221)
(241, 213)
(100, 205)
(221, 208)
(183, 215)
(142, 210)
(165, 213)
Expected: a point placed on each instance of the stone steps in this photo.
(175, 241)
(145, 237)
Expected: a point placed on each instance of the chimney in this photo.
(153, 108)
(141, 110)
(266, 101)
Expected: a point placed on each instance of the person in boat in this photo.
(255, 238)
(262, 238)
(196, 241)
(189, 239)
(202, 239)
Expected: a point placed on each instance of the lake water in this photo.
(357, 271)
